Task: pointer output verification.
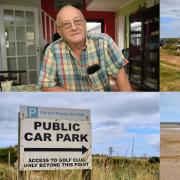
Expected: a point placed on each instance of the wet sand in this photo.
(170, 152)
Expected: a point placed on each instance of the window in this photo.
(95, 26)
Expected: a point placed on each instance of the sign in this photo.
(51, 113)
(53, 143)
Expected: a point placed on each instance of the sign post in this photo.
(20, 173)
(55, 139)
(86, 174)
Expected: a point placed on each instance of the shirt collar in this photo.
(85, 46)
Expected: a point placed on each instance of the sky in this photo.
(116, 118)
(169, 107)
(170, 18)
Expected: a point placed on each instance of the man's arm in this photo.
(54, 89)
(122, 81)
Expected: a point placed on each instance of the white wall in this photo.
(120, 31)
(30, 3)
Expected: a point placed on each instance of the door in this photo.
(20, 41)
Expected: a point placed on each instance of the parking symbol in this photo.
(32, 112)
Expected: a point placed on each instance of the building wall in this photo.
(120, 32)
(31, 3)
(130, 7)
(125, 11)
(48, 7)
(108, 17)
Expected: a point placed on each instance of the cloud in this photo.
(154, 140)
(107, 123)
(170, 18)
(112, 114)
(170, 8)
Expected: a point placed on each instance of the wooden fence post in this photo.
(86, 174)
(9, 158)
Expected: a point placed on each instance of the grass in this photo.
(170, 79)
(125, 169)
(104, 168)
(7, 173)
(169, 52)
(169, 73)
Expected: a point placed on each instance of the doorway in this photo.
(20, 41)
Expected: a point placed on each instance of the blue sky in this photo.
(170, 107)
(116, 118)
(170, 18)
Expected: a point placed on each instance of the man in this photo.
(79, 61)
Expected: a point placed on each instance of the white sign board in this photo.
(55, 143)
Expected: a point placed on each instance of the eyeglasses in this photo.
(76, 22)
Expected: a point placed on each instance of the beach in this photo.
(170, 151)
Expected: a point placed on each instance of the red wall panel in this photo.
(48, 7)
(108, 17)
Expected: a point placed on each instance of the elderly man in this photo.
(79, 61)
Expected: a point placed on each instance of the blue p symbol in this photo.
(32, 112)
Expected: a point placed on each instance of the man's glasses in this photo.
(76, 22)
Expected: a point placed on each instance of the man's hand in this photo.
(54, 89)
(122, 81)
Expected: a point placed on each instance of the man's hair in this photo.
(66, 5)
(69, 4)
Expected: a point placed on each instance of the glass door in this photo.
(20, 33)
(135, 67)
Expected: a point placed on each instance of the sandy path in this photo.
(175, 60)
(170, 153)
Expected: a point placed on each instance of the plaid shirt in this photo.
(61, 68)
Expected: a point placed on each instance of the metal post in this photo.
(133, 148)
(86, 174)
(20, 175)
(9, 158)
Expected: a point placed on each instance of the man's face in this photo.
(71, 25)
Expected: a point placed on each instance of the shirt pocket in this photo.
(99, 81)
